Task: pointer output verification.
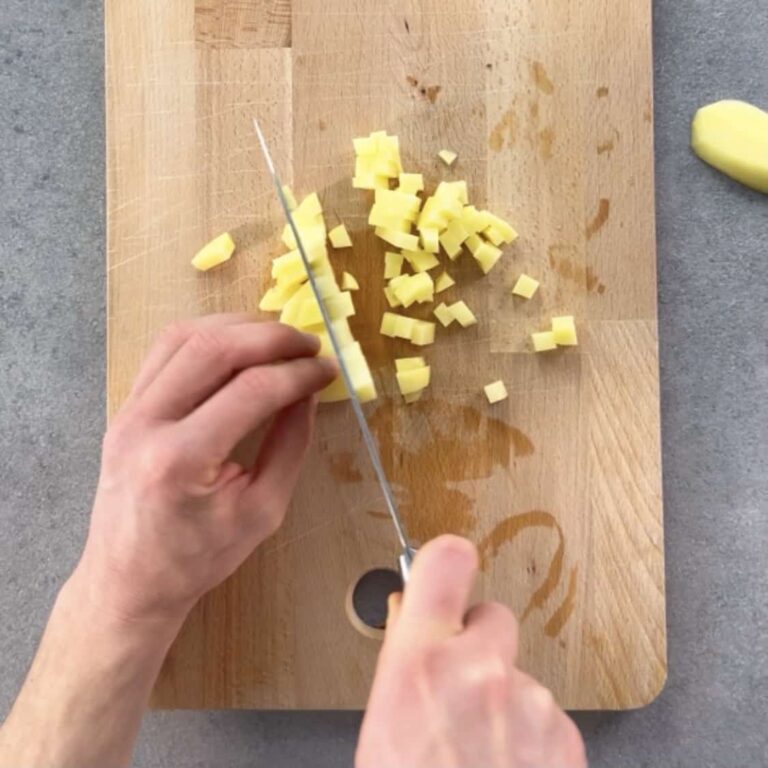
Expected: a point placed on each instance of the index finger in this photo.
(437, 596)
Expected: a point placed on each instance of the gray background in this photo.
(713, 252)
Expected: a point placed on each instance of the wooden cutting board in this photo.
(549, 105)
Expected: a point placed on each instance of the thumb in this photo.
(437, 596)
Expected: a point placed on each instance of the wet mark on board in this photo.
(600, 218)
(504, 132)
(541, 79)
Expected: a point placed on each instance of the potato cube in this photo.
(339, 237)
(453, 190)
(290, 312)
(290, 198)
(404, 327)
(564, 331)
(544, 341)
(309, 314)
(359, 372)
(411, 183)
(349, 283)
(474, 243)
(277, 296)
(216, 252)
(410, 289)
(365, 146)
(504, 228)
(496, 392)
(414, 380)
(463, 314)
(388, 323)
(409, 363)
(392, 299)
(370, 181)
(494, 235)
(400, 240)
(423, 333)
(444, 314)
(398, 201)
(340, 305)
(430, 239)
(413, 398)
(393, 264)
(525, 286)
(471, 220)
(487, 256)
(447, 156)
(421, 261)
(444, 282)
(453, 237)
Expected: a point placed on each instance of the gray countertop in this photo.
(713, 290)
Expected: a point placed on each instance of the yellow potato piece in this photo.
(340, 305)
(216, 252)
(564, 331)
(396, 200)
(415, 397)
(388, 324)
(404, 327)
(401, 240)
(487, 256)
(421, 261)
(277, 296)
(290, 198)
(393, 264)
(525, 286)
(409, 363)
(505, 230)
(410, 289)
(414, 380)
(444, 282)
(496, 392)
(453, 190)
(349, 283)
(411, 183)
(339, 237)
(463, 314)
(732, 136)
(370, 181)
(448, 157)
(444, 315)
(423, 333)
(453, 237)
(430, 239)
(544, 341)
(292, 307)
(474, 243)
(392, 300)
(359, 372)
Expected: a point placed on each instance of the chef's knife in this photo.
(408, 552)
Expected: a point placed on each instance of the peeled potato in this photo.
(732, 136)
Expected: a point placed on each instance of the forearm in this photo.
(88, 686)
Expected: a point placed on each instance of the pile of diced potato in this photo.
(416, 231)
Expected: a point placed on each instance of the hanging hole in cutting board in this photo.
(366, 602)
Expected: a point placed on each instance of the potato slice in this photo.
(393, 264)
(414, 380)
(564, 331)
(430, 239)
(409, 363)
(349, 282)
(544, 341)
(402, 240)
(423, 333)
(216, 252)
(444, 314)
(392, 300)
(487, 256)
(411, 183)
(444, 282)
(447, 156)
(421, 261)
(463, 314)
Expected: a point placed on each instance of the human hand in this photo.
(174, 515)
(447, 692)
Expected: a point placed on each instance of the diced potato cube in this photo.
(448, 157)
(496, 392)
(525, 286)
(396, 200)
(359, 372)
(474, 243)
(392, 300)
(370, 181)
(410, 289)
(453, 190)
(421, 261)
(339, 237)
(463, 314)
(411, 183)
(409, 363)
(342, 332)
(444, 282)
(309, 208)
(388, 324)
(326, 285)
(309, 314)
(400, 240)
(393, 264)
(430, 239)
(494, 235)
(487, 257)
(365, 146)
(290, 312)
(216, 252)
(290, 198)
(453, 237)
(414, 380)
(471, 219)
(277, 296)
(564, 330)
(404, 327)
(349, 283)
(340, 305)
(423, 333)
(504, 228)
(544, 341)
(415, 397)
(444, 314)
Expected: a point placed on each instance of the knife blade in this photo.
(406, 556)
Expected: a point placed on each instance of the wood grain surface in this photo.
(549, 106)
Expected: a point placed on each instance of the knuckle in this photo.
(160, 461)
(257, 382)
(174, 334)
(208, 344)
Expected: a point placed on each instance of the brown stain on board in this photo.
(562, 259)
(541, 78)
(412, 81)
(504, 131)
(559, 618)
(607, 146)
(463, 444)
(600, 218)
(343, 469)
(546, 141)
(433, 91)
(602, 92)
